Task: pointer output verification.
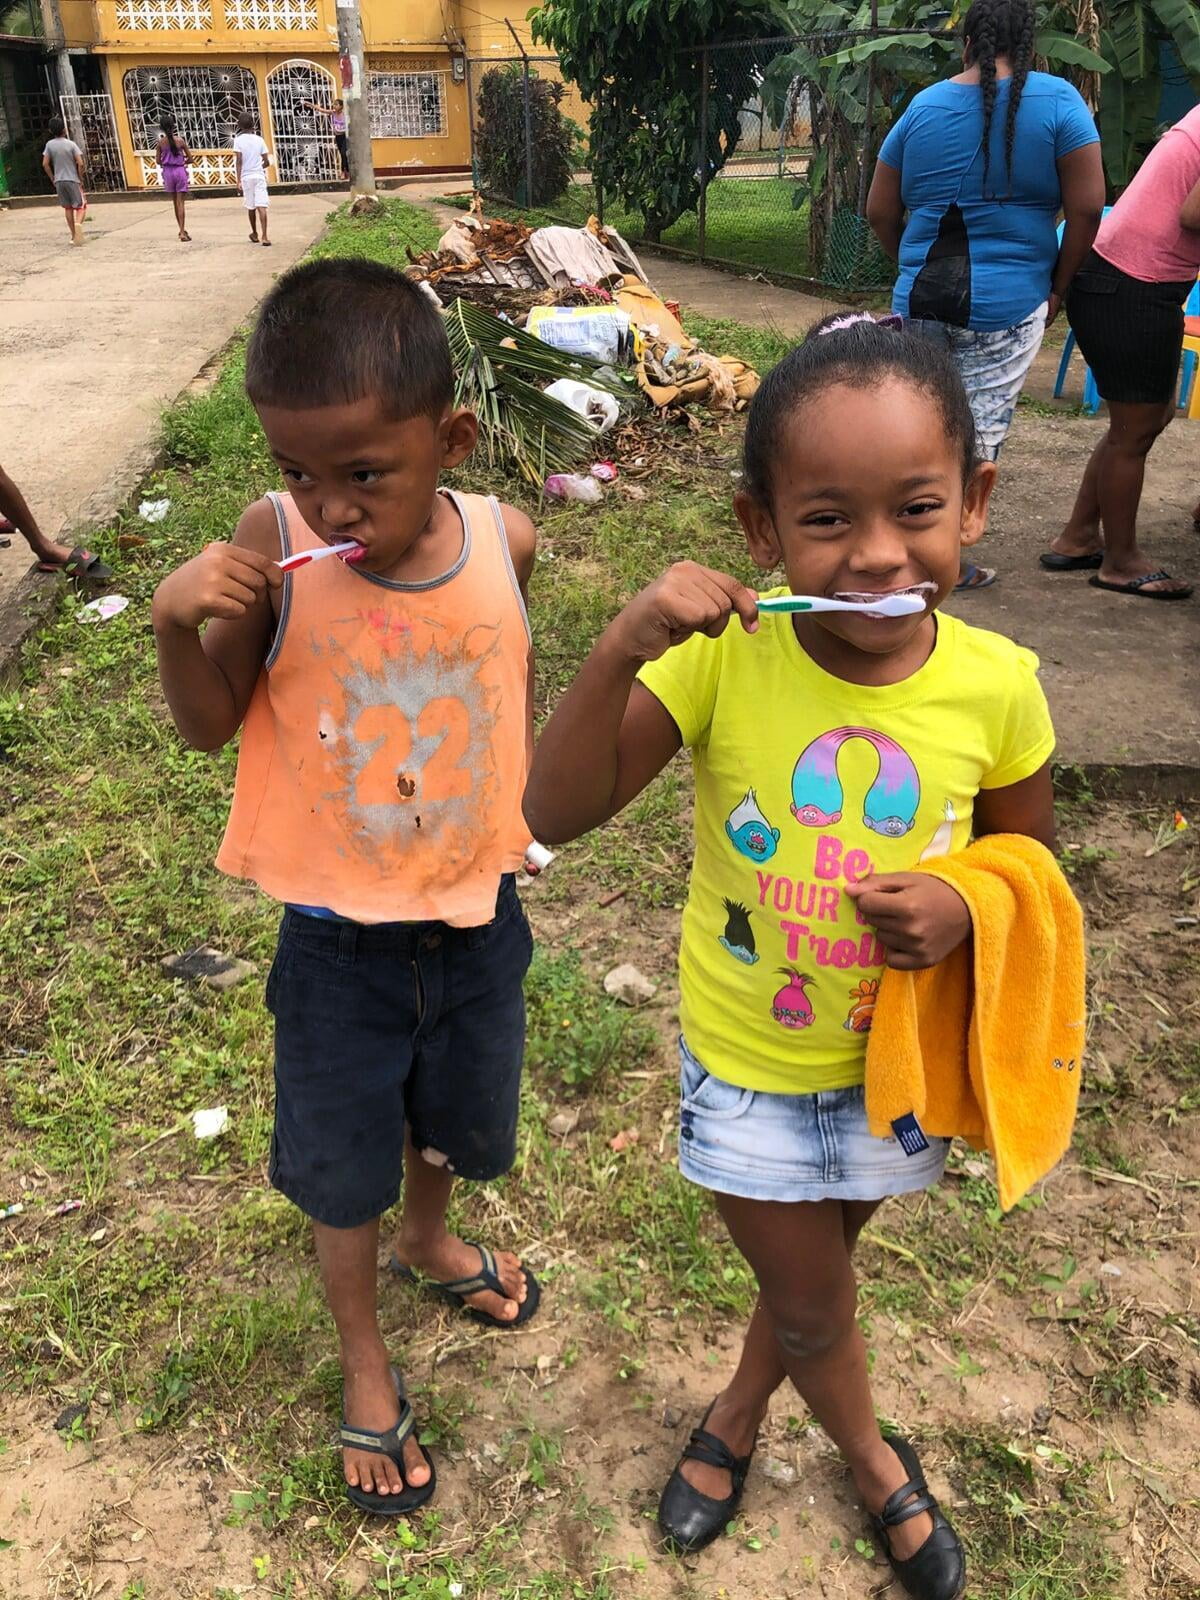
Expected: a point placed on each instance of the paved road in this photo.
(95, 340)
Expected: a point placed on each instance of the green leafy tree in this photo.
(639, 64)
(500, 136)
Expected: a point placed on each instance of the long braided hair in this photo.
(1000, 28)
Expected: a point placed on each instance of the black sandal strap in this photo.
(899, 1507)
(487, 1278)
(713, 1452)
(388, 1443)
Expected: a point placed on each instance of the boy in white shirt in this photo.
(253, 158)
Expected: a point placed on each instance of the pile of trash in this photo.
(581, 297)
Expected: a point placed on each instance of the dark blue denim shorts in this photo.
(376, 1027)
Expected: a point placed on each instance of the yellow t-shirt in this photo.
(804, 783)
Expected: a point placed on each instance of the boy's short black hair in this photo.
(57, 127)
(333, 332)
(245, 122)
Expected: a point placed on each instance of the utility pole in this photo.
(354, 95)
(57, 40)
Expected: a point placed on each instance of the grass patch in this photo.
(748, 220)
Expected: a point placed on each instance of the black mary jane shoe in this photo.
(938, 1570)
(688, 1519)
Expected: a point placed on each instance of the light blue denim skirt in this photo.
(791, 1146)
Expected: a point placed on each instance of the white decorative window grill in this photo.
(276, 16)
(204, 101)
(211, 169)
(164, 16)
(407, 105)
(304, 145)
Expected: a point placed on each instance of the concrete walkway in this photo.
(95, 340)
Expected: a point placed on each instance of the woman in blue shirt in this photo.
(982, 164)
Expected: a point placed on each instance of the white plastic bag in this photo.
(573, 486)
(593, 405)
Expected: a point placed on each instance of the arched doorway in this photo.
(304, 146)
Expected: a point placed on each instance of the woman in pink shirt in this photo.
(1126, 309)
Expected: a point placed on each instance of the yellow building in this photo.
(205, 61)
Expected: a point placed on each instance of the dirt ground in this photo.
(97, 339)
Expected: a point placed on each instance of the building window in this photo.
(407, 105)
(164, 16)
(275, 16)
(204, 101)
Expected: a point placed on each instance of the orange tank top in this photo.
(383, 756)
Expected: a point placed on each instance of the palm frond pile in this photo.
(499, 373)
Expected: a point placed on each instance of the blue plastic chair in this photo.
(1091, 395)
(1187, 367)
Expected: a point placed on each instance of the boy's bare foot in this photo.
(736, 1428)
(449, 1258)
(883, 1475)
(370, 1402)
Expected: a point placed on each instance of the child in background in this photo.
(173, 157)
(832, 752)
(337, 124)
(386, 701)
(252, 158)
(64, 164)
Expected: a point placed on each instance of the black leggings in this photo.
(339, 139)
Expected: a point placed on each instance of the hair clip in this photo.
(891, 322)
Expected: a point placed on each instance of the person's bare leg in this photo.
(252, 218)
(349, 1261)
(738, 1411)
(14, 507)
(1081, 535)
(800, 1257)
(177, 200)
(69, 214)
(425, 1244)
(1132, 430)
(262, 224)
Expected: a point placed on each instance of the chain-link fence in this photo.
(776, 167)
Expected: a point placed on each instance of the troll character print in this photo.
(890, 804)
(749, 831)
(791, 1007)
(862, 1007)
(738, 937)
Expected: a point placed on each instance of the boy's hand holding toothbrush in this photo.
(223, 581)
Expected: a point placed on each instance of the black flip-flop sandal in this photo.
(688, 1519)
(457, 1290)
(80, 564)
(1053, 562)
(1137, 587)
(938, 1570)
(390, 1443)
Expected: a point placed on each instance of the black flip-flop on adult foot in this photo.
(1137, 587)
(687, 1518)
(1053, 562)
(390, 1443)
(938, 1570)
(486, 1279)
(80, 564)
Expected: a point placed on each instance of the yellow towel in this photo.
(988, 1045)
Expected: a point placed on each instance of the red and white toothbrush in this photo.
(303, 557)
